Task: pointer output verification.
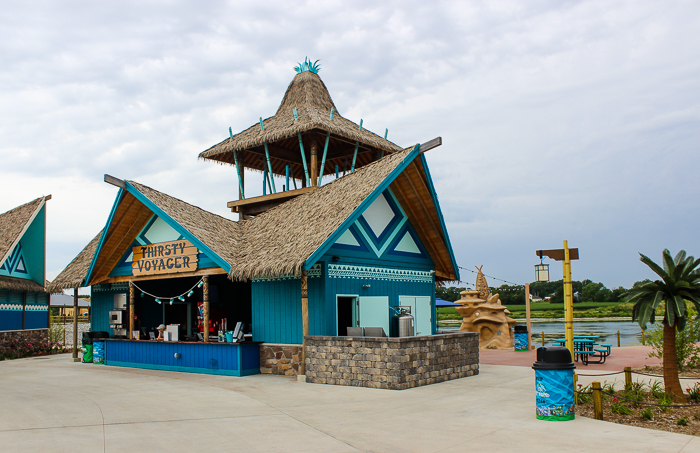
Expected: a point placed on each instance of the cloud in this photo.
(560, 120)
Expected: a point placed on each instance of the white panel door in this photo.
(374, 312)
(422, 313)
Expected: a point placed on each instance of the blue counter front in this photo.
(232, 359)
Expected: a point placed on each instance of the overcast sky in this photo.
(560, 119)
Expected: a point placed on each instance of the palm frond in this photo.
(654, 267)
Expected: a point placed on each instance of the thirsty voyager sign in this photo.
(164, 258)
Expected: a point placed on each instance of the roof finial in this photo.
(307, 65)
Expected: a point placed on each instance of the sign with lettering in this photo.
(164, 258)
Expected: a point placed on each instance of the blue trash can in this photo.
(520, 338)
(554, 384)
(98, 352)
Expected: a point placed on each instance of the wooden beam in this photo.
(115, 181)
(265, 198)
(427, 146)
(314, 161)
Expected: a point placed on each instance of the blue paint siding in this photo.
(36, 311)
(102, 301)
(213, 358)
(36, 314)
(392, 288)
(10, 310)
(276, 306)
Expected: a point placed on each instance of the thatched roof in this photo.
(15, 222)
(309, 95)
(20, 284)
(73, 275)
(218, 233)
(280, 241)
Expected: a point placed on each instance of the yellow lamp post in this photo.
(566, 255)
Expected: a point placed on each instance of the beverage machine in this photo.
(118, 316)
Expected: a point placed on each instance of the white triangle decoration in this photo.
(347, 239)
(407, 245)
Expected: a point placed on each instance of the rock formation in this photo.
(482, 312)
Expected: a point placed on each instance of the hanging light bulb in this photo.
(199, 285)
(158, 301)
(181, 298)
(141, 294)
(190, 293)
(171, 301)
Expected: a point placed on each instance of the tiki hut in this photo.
(24, 303)
(310, 261)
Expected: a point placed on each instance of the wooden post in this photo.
(618, 338)
(304, 320)
(597, 401)
(241, 182)
(527, 316)
(132, 317)
(205, 307)
(542, 339)
(24, 310)
(643, 342)
(628, 377)
(568, 301)
(314, 161)
(575, 391)
(323, 159)
(75, 325)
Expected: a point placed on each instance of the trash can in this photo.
(554, 383)
(520, 338)
(98, 352)
(87, 348)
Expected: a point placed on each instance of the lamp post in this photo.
(566, 255)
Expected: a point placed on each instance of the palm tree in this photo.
(680, 283)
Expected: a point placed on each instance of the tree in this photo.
(679, 283)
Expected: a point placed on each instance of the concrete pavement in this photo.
(53, 405)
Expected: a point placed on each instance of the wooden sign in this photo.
(164, 258)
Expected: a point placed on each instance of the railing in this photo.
(63, 319)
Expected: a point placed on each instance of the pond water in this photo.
(630, 332)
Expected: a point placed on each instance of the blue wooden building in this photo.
(24, 303)
(310, 260)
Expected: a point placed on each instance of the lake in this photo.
(630, 333)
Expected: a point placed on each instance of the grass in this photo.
(550, 310)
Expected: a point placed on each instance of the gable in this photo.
(27, 259)
(155, 231)
(383, 231)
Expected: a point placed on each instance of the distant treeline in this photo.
(584, 291)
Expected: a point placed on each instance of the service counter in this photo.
(232, 359)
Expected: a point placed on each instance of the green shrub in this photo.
(665, 401)
(656, 389)
(647, 414)
(682, 421)
(694, 392)
(687, 351)
(619, 408)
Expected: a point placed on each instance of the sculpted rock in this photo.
(483, 313)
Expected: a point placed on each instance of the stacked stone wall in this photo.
(26, 335)
(283, 359)
(391, 363)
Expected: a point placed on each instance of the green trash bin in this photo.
(87, 353)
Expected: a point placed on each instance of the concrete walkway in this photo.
(53, 405)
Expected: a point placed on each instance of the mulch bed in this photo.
(663, 419)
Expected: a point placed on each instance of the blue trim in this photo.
(120, 196)
(399, 215)
(439, 211)
(408, 229)
(177, 227)
(360, 209)
(184, 369)
(359, 248)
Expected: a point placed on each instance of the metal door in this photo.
(374, 312)
(422, 313)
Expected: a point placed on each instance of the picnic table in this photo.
(585, 349)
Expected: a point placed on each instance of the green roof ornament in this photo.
(307, 65)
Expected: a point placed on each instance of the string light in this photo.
(489, 276)
(181, 297)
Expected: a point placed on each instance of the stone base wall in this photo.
(26, 335)
(281, 359)
(391, 363)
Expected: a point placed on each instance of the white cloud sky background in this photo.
(560, 120)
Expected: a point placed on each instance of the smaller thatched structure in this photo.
(73, 276)
(316, 117)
